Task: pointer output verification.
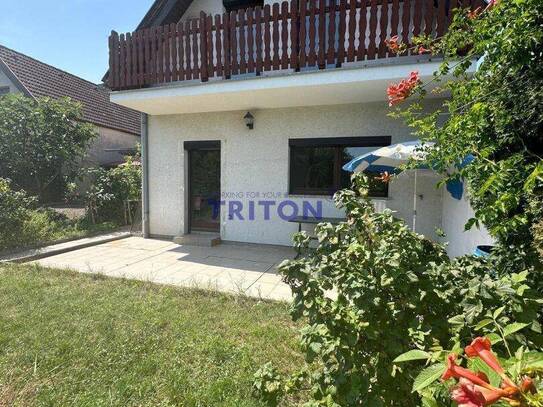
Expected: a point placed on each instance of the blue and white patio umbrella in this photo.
(389, 159)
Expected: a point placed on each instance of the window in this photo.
(315, 164)
(4, 90)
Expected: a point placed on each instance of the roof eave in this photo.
(164, 12)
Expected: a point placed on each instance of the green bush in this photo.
(538, 238)
(372, 290)
(113, 190)
(40, 226)
(15, 210)
(46, 225)
(21, 225)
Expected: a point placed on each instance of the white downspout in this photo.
(145, 174)
(415, 203)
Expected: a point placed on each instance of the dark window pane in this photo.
(312, 169)
(348, 154)
(316, 165)
(4, 90)
(205, 187)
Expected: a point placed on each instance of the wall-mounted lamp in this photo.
(249, 120)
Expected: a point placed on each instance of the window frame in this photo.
(338, 143)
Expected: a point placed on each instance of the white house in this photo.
(253, 107)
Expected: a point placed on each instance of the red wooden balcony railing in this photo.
(313, 33)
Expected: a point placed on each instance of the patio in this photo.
(246, 269)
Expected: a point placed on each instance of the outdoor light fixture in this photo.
(249, 120)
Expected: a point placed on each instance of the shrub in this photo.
(15, 209)
(21, 225)
(113, 190)
(45, 225)
(371, 290)
(538, 238)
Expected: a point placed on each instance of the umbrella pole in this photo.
(415, 203)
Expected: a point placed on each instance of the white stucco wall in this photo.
(5, 81)
(257, 161)
(455, 215)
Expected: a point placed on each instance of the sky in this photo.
(69, 34)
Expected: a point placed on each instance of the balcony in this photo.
(288, 37)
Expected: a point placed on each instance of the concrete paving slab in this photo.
(246, 269)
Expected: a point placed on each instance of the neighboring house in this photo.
(259, 106)
(118, 127)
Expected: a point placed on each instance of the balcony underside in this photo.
(282, 89)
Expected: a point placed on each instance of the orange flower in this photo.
(399, 92)
(414, 77)
(423, 50)
(385, 177)
(468, 394)
(473, 14)
(491, 395)
(473, 389)
(459, 372)
(392, 44)
(480, 347)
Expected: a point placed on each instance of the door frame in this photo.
(191, 146)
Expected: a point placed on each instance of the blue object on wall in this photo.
(455, 188)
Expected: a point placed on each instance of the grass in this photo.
(68, 339)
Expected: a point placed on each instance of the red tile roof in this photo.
(41, 79)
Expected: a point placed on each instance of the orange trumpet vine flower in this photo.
(459, 372)
(468, 394)
(480, 347)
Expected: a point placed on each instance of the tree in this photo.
(41, 141)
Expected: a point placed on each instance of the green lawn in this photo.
(68, 339)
